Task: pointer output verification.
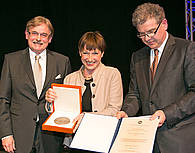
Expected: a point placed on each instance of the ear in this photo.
(26, 34)
(102, 54)
(79, 52)
(49, 39)
(165, 23)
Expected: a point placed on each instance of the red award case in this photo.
(67, 104)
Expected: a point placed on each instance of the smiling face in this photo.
(38, 37)
(90, 59)
(158, 30)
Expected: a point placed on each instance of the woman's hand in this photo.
(50, 95)
(121, 114)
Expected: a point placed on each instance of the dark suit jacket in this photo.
(172, 91)
(19, 104)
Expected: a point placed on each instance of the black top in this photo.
(86, 98)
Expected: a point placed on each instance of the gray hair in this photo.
(147, 11)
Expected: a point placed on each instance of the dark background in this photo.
(72, 18)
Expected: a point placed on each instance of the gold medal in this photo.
(62, 120)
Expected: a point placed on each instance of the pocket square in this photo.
(58, 76)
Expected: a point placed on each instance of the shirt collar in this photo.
(160, 49)
(33, 54)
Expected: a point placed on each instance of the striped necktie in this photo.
(154, 64)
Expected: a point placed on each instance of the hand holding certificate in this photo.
(108, 134)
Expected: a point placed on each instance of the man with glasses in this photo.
(162, 81)
(26, 76)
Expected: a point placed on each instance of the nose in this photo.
(146, 38)
(90, 57)
(39, 36)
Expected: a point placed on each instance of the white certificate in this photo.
(135, 135)
(107, 134)
(95, 133)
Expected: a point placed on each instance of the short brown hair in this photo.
(92, 40)
(38, 20)
(147, 11)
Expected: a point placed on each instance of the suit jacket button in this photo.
(93, 84)
(34, 91)
(35, 118)
(93, 96)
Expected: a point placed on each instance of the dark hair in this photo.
(92, 41)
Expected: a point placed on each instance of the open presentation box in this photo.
(66, 105)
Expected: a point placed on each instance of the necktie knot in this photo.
(37, 57)
(156, 52)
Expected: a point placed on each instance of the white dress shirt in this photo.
(160, 50)
(42, 62)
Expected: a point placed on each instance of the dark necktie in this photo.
(154, 64)
(86, 98)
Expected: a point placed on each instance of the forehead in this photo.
(91, 50)
(42, 28)
(147, 26)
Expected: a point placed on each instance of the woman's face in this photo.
(91, 59)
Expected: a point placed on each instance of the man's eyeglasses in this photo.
(149, 34)
(36, 34)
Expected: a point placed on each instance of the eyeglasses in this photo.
(36, 34)
(149, 33)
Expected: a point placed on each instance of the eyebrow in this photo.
(147, 31)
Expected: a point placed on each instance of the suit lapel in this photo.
(168, 50)
(142, 68)
(27, 66)
(146, 68)
(50, 68)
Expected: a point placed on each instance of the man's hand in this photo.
(8, 144)
(161, 115)
(50, 95)
(121, 114)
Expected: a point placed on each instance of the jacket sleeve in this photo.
(132, 103)
(116, 95)
(5, 98)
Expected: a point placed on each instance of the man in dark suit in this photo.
(22, 105)
(162, 81)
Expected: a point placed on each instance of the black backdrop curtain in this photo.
(72, 18)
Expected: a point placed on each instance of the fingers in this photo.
(78, 119)
(161, 115)
(9, 144)
(121, 114)
(50, 95)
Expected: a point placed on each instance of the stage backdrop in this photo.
(72, 18)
